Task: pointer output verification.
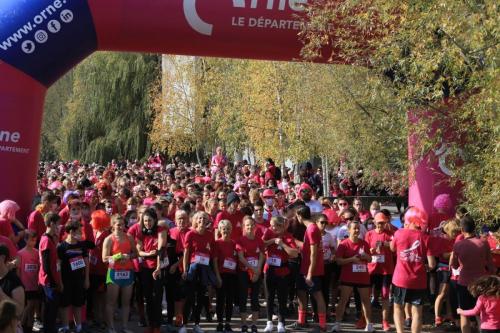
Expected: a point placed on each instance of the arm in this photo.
(215, 266)
(454, 260)
(292, 252)
(312, 266)
(106, 249)
(185, 262)
(472, 312)
(17, 298)
(431, 260)
(46, 267)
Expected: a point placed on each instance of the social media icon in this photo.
(41, 36)
(28, 47)
(66, 16)
(54, 26)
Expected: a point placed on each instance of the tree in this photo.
(428, 52)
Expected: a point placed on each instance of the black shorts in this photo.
(73, 293)
(354, 285)
(33, 295)
(302, 285)
(404, 295)
(443, 277)
(465, 300)
(97, 283)
(379, 281)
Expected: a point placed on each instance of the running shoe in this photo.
(361, 323)
(281, 327)
(182, 329)
(198, 329)
(369, 328)
(227, 328)
(386, 326)
(335, 327)
(269, 327)
(296, 326)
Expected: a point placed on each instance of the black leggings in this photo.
(153, 293)
(225, 297)
(244, 284)
(277, 285)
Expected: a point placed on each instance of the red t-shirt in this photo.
(97, 266)
(474, 258)
(150, 243)
(64, 215)
(251, 248)
(236, 220)
(37, 223)
(312, 236)
(411, 247)
(226, 255)
(276, 256)
(10, 245)
(179, 237)
(351, 272)
(494, 246)
(383, 262)
(200, 246)
(48, 244)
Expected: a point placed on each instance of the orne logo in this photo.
(12, 137)
(199, 25)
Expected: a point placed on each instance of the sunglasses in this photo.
(323, 222)
(349, 218)
(342, 204)
(304, 191)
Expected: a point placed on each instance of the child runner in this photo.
(487, 291)
(73, 254)
(28, 264)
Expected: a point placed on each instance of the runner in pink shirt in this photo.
(487, 291)
(410, 276)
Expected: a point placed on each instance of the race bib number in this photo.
(378, 259)
(359, 268)
(253, 262)
(164, 263)
(30, 268)
(93, 260)
(122, 275)
(274, 261)
(456, 272)
(202, 259)
(229, 264)
(76, 263)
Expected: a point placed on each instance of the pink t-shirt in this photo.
(6, 228)
(473, 257)
(29, 264)
(488, 309)
(382, 262)
(411, 247)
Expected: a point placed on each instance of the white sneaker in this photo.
(197, 329)
(281, 327)
(269, 327)
(335, 327)
(182, 329)
(369, 328)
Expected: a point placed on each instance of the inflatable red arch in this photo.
(41, 40)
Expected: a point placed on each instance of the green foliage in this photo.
(430, 52)
(104, 113)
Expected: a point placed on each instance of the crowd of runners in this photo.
(167, 241)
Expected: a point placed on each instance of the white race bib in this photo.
(253, 262)
(122, 275)
(456, 272)
(327, 253)
(164, 263)
(76, 263)
(202, 259)
(30, 268)
(274, 261)
(378, 258)
(229, 264)
(359, 268)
